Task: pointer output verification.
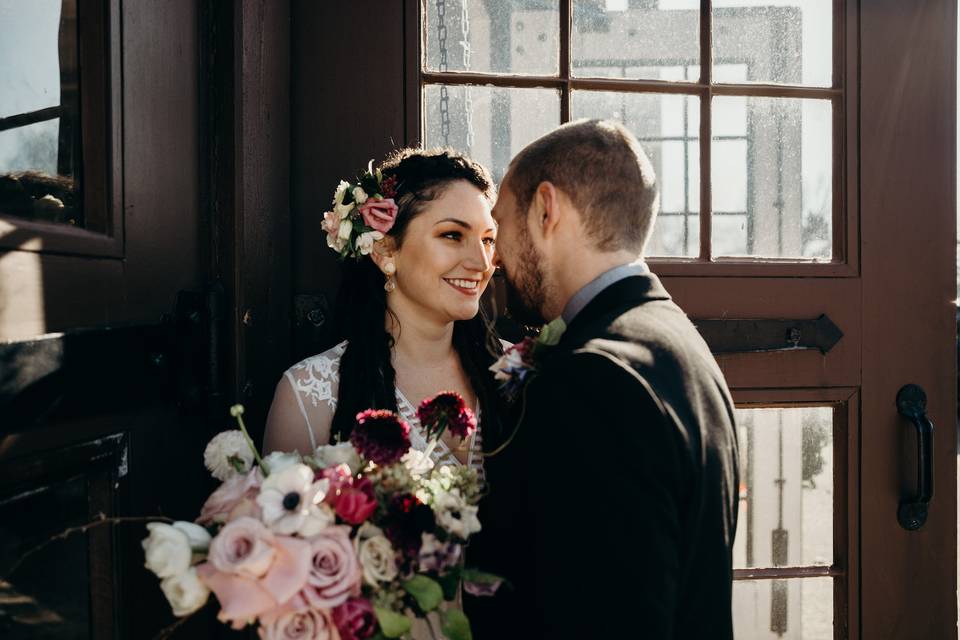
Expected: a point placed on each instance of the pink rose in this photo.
(335, 573)
(233, 499)
(245, 547)
(230, 573)
(379, 214)
(355, 619)
(307, 624)
(339, 477)
(356, 503)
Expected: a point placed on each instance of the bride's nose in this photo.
(479, 257)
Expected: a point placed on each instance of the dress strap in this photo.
(303, 411)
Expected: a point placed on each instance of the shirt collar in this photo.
(590, 290)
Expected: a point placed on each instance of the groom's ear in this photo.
(547, 207)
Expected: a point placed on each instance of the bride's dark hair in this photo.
(367, 377)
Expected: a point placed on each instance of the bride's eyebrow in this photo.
(462, 223)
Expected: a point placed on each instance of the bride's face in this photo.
(446, 259)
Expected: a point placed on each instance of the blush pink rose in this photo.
(356, 503)
(355, 619)
(244, 547)
(379, 214)
(233, 499)
(306, 624)
(244, 596)
(335, 573)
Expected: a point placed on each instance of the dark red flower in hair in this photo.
(380, 436)
(447, 410)
(388, 187)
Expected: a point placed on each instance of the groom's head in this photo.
(574, 203)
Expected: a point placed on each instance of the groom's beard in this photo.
(525, 287)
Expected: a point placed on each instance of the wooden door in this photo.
(805, 155)
(143, 286)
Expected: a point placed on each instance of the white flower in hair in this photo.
(226, 454)
(359, 195)
(341, 191)
(366, 240)
(345, 228)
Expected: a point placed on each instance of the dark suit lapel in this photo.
(618, 297)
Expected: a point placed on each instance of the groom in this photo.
(613, 510)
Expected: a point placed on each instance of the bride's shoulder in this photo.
(322, 365)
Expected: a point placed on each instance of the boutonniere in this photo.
(519, 363)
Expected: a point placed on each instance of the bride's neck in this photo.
(418, 337)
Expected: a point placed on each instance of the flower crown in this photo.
(363, 211)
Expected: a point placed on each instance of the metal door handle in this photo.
(912, 404)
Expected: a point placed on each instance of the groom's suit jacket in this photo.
(614, 509)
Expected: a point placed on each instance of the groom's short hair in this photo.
(601, 167)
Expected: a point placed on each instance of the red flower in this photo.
(447, 410)
(356, 503)
(355, 619)
(389, 187)
(380, 436)
(406, 522)
(339, 478)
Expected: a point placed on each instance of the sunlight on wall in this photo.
(21, 291)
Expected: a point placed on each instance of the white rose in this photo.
(185, 592)
(416, 462)
(346, 227)
(359, 195)
(377, 558)
(167, 550)
(333, 455)
(222, 449)
(366, 240)
(340, 192)
(278, 461)
(455, 515)
(197, 536)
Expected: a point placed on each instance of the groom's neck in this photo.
(573, 274)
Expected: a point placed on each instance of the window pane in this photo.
(796, 608)
(622, 39)
(501, 36)
(489, 124)
(772, 161)
(39, 111)
(782, 41)
(662, 124)
(786, 492)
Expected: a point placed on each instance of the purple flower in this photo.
(447, 410)
(437, 555)
(380, 436)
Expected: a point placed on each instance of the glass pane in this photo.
(489, 124)
(662, 123)
(39, 111)
(786, 492)
(629, 39)
(799, 609)
(493, 36)
(772, 163)
(34, 606)
(782, 41)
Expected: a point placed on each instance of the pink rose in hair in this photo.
(355, 619)
(334, 571)
(307, 624)
(379, 214)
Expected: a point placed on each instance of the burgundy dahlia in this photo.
(380, 436)
(406, 522)
(447, 410)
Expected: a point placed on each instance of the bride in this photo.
(409, 305)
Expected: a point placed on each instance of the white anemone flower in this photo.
(292, 503)
(455, 515)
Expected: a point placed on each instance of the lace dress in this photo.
(316, 381)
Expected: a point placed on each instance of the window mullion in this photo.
(706, 101)
(566, 27)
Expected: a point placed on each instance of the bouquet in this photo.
(350, 542)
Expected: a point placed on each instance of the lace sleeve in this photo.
(304, 404)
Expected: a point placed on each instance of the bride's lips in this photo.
(463, 285)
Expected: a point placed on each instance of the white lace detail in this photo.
(316, 380)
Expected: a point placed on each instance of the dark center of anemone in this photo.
(455, 514)
(291, 501)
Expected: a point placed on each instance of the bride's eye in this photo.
(451, 235)
(490, 241)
